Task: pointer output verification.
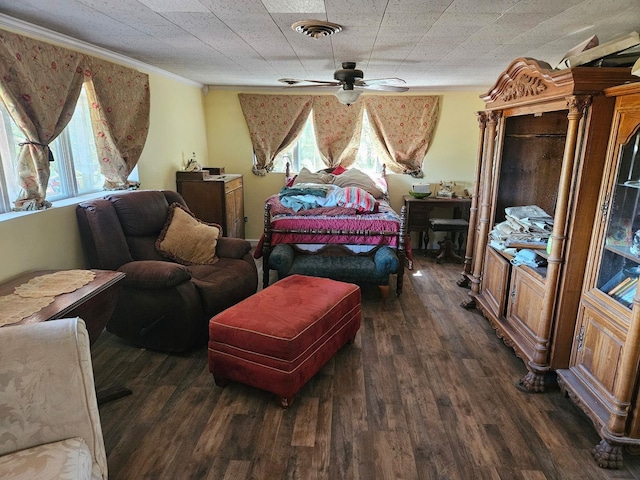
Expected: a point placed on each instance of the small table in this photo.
(419, 212)
(93, 302)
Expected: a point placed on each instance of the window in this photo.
(74, 172)
(305, 153)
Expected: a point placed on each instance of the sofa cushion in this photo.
(67, 459)
(223, 284)
(187, 240)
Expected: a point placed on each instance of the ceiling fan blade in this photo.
(315, 85)
(385, 88)
(295, 82)
(381, 81)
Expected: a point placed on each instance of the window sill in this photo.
(4, 217)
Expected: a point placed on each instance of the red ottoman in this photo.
(280, 337)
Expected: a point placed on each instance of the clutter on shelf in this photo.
(525, 227)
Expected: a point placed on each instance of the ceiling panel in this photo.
(429, 43)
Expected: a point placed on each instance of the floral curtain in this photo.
(40, 85)
(120, 102)
(403, 127)
(274, 122)
(338, 128)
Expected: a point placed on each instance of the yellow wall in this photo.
(49, 239)
(452, 155)
(183, 122)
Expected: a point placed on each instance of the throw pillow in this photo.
(356, 178)
(307, 176)
(187, 240)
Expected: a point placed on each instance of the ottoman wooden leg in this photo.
(221, 381)
(286, 402)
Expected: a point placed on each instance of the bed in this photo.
(351, 241)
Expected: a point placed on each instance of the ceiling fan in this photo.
(349, 77)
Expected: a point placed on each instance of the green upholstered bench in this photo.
(374, 267)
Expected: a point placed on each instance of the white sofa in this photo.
(49, 421)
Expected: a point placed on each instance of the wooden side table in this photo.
(94, 302)
(419, 212)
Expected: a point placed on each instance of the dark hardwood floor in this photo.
(425, 392)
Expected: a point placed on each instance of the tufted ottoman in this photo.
(279, 338)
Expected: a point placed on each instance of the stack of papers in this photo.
(525, 227)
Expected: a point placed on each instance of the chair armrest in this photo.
(230, 247)
(386, 261)
(152, 274)
(49, 392)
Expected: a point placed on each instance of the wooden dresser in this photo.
(215, 199)
(544, 142)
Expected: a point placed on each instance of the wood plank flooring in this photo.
(425, 392)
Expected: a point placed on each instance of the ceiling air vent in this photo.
(316, 28)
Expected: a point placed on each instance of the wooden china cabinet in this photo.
(543, 142)
(602, 377)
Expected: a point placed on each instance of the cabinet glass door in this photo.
(620, 261)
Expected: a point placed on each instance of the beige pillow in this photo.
(357, 178)
(187, 240)
(307, 176)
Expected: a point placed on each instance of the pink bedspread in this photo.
(328, 225)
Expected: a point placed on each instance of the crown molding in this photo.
(44, 34)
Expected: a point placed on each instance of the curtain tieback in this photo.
(43, 145)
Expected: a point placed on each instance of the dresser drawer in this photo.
(233, 184)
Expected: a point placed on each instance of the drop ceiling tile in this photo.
(174, 5)
(356, 7)
(475, 6)
(220, 7)
(228, 39)
(294, 6)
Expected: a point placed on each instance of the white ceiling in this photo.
(432, 44)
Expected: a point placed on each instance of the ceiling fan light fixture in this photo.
(347, 97)
(316, 28)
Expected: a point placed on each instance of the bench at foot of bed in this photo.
(374, 267)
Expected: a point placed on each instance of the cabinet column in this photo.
(539, 364)
(488, 155)
(473, 212)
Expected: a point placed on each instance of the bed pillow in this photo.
(307, 176)
(356, 178)
(355, 197)
(187, 240)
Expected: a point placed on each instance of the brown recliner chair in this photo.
(163, 305)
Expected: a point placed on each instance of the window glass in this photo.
(75, 170)
(305, 153)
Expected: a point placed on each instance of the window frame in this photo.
(74, 141)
